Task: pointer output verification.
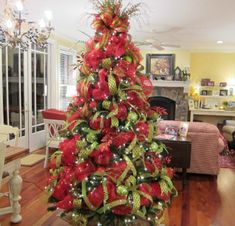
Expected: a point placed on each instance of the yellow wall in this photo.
(219, 67)
(68, 43)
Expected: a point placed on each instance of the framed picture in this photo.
(160, 66)
(177, 74)
(223, 92)
(204, 92)
(191, 104)
(211, 83)
(223, 84)
(171, 130)
(204, 81)
(183, 129)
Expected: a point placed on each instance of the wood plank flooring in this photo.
(205, 201)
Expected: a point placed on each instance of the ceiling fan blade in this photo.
(157, 47)
(170, 45)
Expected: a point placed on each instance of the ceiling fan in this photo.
(156, 44)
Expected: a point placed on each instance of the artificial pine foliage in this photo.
(110, 169)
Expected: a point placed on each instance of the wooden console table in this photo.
(210, 112)
(12, 166)
(180, 150)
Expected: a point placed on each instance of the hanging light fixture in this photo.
(15, 31)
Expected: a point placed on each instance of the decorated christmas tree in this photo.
(110, 169)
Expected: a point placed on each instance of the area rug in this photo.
(227, 161)
(32, 159)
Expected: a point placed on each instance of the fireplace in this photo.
(166, 103)
(178, 95)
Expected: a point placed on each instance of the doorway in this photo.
(23, 94)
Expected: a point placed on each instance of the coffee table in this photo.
(180, 150)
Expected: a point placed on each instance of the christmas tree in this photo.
(110, 167)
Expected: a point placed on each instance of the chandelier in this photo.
(15, 31)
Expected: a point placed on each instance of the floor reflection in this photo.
(226, 189)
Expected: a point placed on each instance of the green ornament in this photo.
(155, 116)
(81, 144)
(91, 137)
(154, 146)
(106, 63)
(122, 190)
(132, 116)
(128, 58)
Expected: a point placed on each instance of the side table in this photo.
(180, 150)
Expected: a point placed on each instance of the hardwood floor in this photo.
(205, 201)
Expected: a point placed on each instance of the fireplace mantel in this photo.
(164, 83)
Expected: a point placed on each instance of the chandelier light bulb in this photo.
(19, 6)
(48, 15)
(9, 24)
(42, 23)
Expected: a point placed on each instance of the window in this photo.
(67, 79)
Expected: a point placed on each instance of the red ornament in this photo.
(156, 192)
(93, 105)
(66, 203)
(116, 169)
(170, 172)
(61, 190)
(96, 124)
(122, 210)
(84, 170)
(122, 111)
(102, 156)
(135, 100)
(146, 188)
(123, 138)
(146, 84)
(69, 149)
(101, 90)
(96, 196)
(94, 58)
(142, 130)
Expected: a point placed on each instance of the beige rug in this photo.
(32, 159)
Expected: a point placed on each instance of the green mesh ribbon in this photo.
(111, 205)
(85, 198)
(81, 144)
(136, 201)
(57, 155)
(104, 40)
(114, 122)
(130, 181)
(121, 94)
(85, 152)
(105, 189)
(166, 184)
(130, 165)
(137, 152)
(114, 111)
(112, 84)
(151, 132)
(131, 145)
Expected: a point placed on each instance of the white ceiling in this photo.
(193, 24)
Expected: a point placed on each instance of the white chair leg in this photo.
(15, 185)
(46, 157)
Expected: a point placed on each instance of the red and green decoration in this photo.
(110, 167)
